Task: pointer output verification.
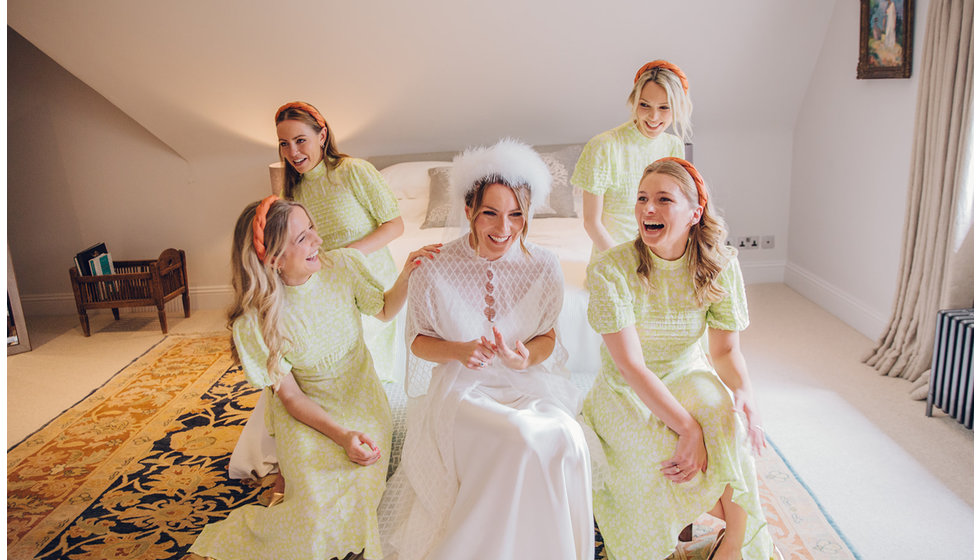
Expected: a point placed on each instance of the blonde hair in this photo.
(258, 287)
(331, 155)
(680, 104)
(705, 252)
(474, 200)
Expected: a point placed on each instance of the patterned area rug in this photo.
(136, 469)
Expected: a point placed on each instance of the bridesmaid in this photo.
(351, 205)
(611, 163)
(296, 332)
(677, 430)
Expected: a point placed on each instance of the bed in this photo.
(420, 183)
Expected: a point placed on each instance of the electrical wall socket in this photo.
(754, 242)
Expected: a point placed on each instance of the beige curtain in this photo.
(937, 261)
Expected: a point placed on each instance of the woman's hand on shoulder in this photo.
(416, 258)
(517, 358)
(360, 448)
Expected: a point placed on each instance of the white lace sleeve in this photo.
(552, 284)
(420, 319)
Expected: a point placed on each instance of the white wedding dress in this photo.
(495, 465)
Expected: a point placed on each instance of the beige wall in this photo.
(79, 171)
(851, 160)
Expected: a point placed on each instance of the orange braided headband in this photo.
(304, 107)
(258, 225)
(666, 66)
(698, 180)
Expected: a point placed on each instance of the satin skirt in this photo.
(524, 483)
(255, 452)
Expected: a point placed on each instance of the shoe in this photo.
(687, 533)
(715, 545)
(276, 498)
(680, 553)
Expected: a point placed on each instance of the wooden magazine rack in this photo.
(134, 284)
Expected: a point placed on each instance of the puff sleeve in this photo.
(611, 298)
(369, 293)
(372, 192)
(732, 312)
(593, 172)
(253, 352)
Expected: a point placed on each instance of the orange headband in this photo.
(698, 180)
(304, 107)
(666, 66)
(258, 225)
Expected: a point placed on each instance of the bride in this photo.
(495, 465)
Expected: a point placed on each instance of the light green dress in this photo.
(330, 505)
(640, 512)
(611, 166)
(348, 203)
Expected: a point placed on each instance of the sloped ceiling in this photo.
(206, 77)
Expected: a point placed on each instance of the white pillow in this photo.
(410, 180)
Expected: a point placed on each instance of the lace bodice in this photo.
(459, 296)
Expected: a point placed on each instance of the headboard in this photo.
(380, 162)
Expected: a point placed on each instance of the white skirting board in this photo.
(837, 302)
(206, 297)
(764, 272)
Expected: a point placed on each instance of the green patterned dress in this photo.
(330, 506)
(611, 166)
(639, 511)
(348, 203)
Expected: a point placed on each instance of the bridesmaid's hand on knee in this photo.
(360, 448)
(690, 458)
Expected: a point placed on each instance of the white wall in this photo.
(850, 168)
(748, 171)
(79, 171)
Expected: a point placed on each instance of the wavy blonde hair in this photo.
(331, 155)
(680, 103)
(705, 251)
(258, 287)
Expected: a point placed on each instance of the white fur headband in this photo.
(514, 162)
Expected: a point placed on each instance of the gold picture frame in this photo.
(886, 39)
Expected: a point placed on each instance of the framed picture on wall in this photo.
(886, 39)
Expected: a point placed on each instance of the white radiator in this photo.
(951, 382)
